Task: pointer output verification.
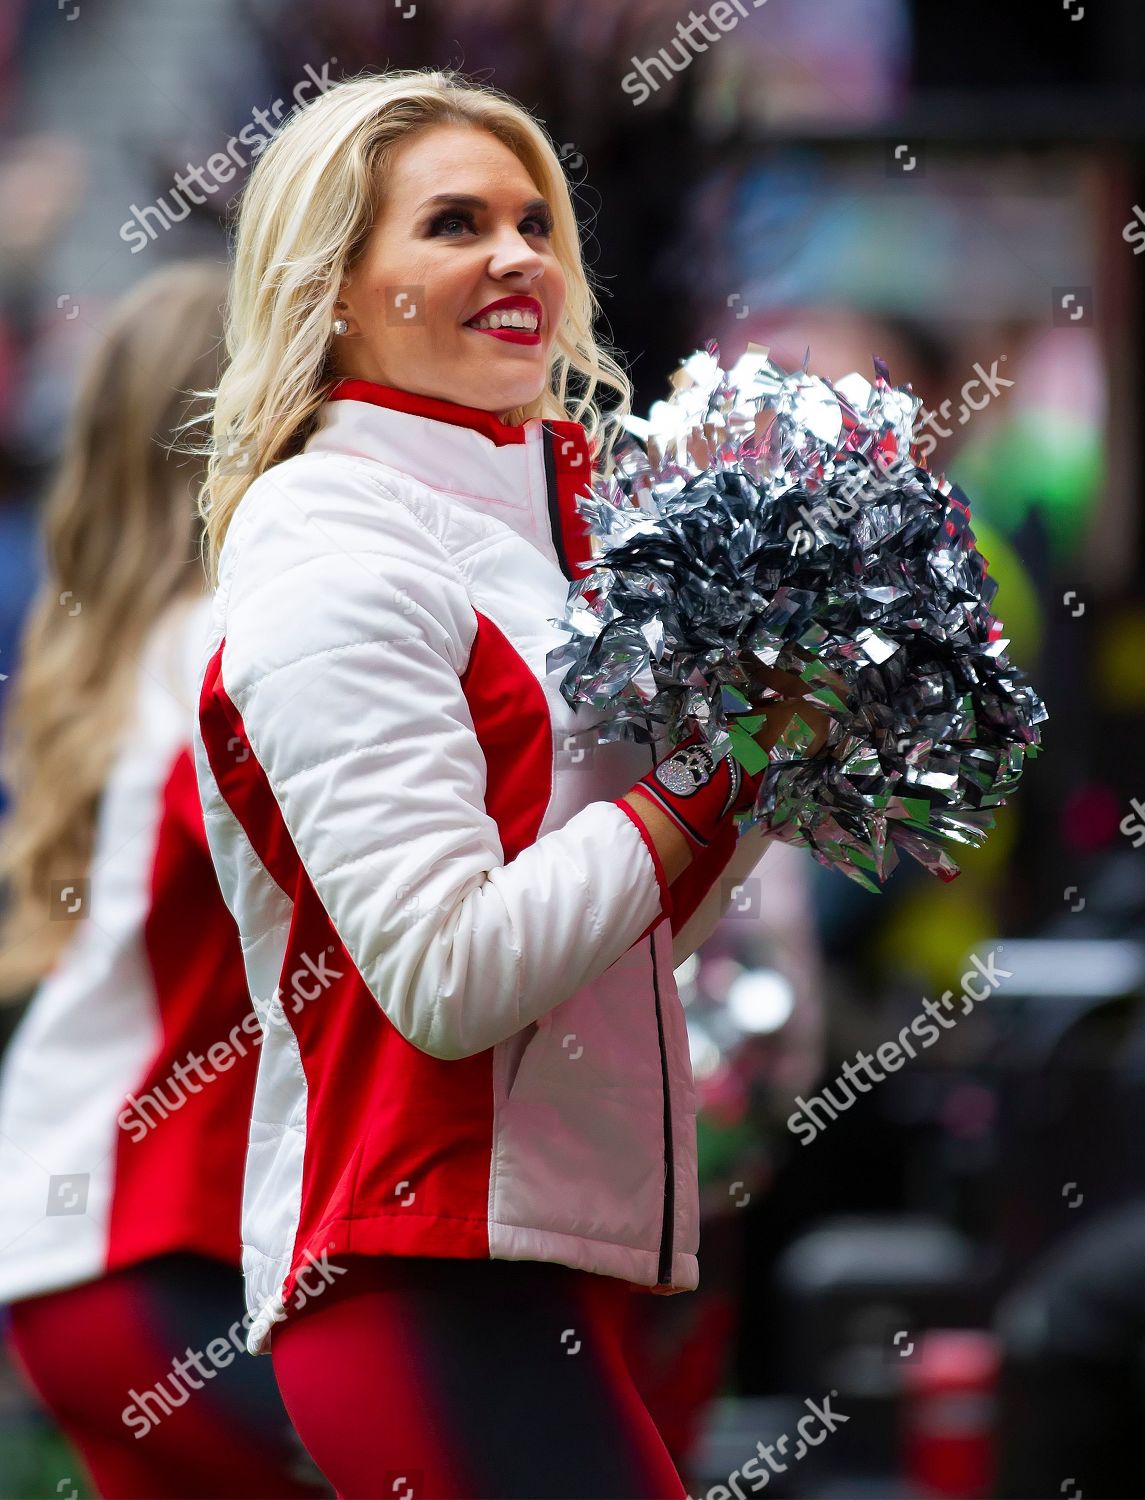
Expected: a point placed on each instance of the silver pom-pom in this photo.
(766, 519)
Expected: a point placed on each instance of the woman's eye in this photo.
(440, 224)
(541, 224)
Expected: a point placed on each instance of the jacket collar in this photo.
(527, 476)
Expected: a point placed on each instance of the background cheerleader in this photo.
(125, 1091)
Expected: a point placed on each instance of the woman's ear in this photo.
(344, 324)
(342, 312)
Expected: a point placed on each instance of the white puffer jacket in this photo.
(461, 943)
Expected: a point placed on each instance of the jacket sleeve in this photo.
(702, 892)
(347, 631)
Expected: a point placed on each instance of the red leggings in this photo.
(91, 1351)
(424, 1378)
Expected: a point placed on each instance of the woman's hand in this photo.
(778, 712)
(655, 806)
(790, 684)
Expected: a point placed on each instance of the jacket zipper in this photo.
(664, 1269)
(664, 1273)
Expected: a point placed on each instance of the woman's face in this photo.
(463, 226)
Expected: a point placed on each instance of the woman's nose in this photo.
(512, 252)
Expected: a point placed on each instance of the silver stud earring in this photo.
(341, 326)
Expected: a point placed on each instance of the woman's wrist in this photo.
(673, 848)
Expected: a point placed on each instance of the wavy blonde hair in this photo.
(304, 219)
(121, 541)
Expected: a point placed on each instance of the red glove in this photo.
(697, 794)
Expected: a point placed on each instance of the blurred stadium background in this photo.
(959, 190)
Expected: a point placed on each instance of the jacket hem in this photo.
(461, 1239)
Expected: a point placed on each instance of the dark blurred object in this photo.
(1074, 1376)
(950, 1414)
(1071, 1101)
(856, 1292)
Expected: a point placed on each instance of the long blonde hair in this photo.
(122, 540)
(304, 218)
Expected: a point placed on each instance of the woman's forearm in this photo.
(672, 847)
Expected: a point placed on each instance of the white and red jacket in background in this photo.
(151, 978)
(396, 791)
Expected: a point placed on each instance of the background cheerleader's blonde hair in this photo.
(304, 218)
(122, 543)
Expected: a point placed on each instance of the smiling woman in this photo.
(382, 218)
(391, 775)
(459, 294)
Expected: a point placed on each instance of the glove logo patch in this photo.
(686, 771)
